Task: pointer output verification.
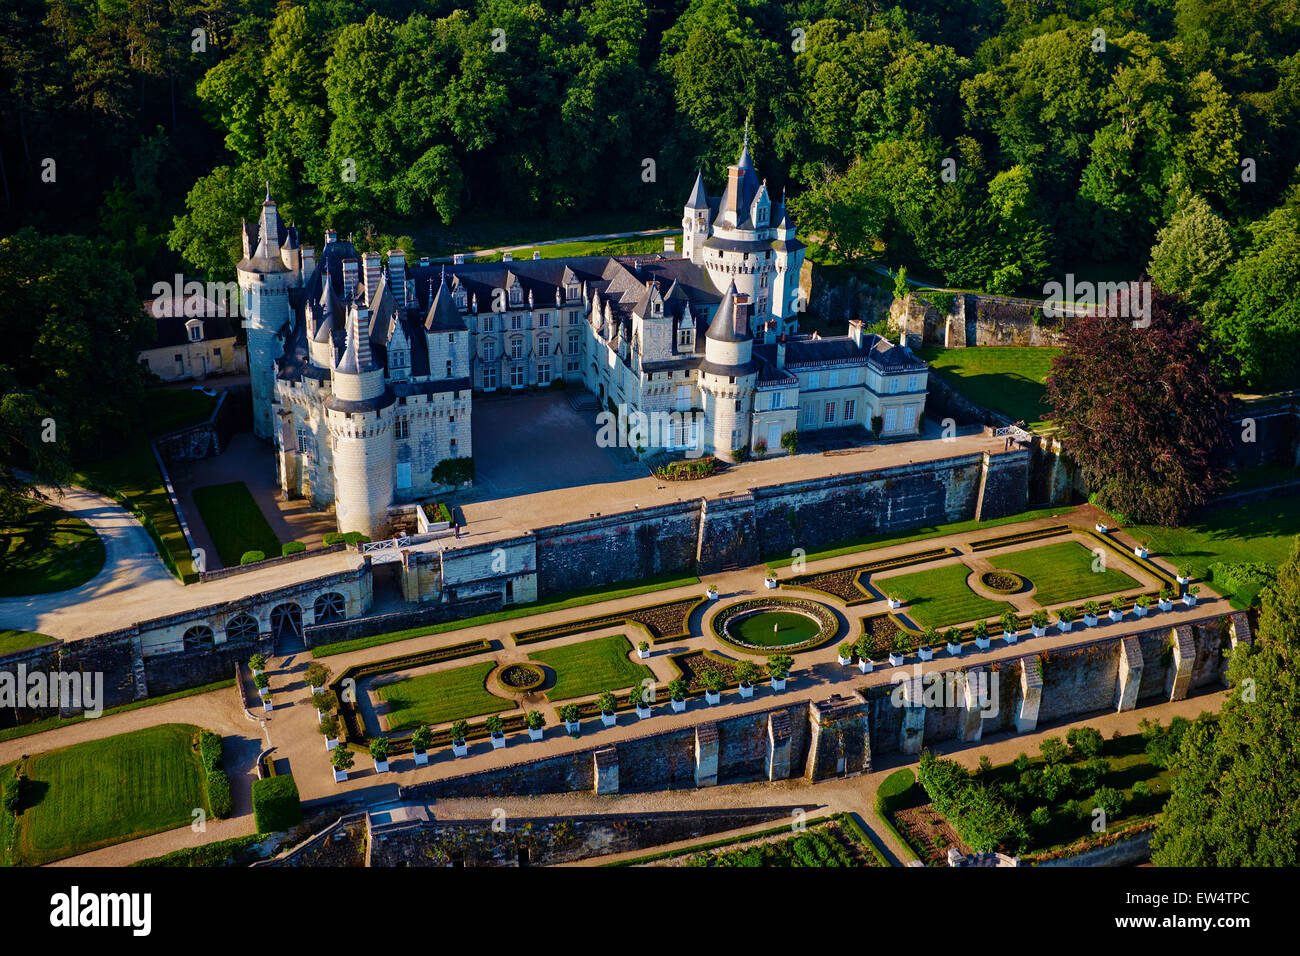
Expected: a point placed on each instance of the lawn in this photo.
(491, 232)
(1063, 572)
(235, 522)
(441, 697)
(562, 603)
(50, 551)
(11, 641)
(939, 597)
(876, 541)
(1262, 531)
(1007, 379)
(102, 792)
(591, 667)
(592, 247)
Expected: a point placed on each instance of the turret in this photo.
(696, 220)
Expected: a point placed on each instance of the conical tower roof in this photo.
(723, 326)
(698, 199)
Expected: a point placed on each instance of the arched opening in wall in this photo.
(200, 635)
(241, 627)
(286, 621)
(329, 607)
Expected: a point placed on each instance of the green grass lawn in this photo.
(562, 603)
(592, 247)
(491, 232)
(939, 597)
(591, 667)
(11, 641)
(50, 551)
(1063, 572)
(1263, 531)
(441, 697)
(1007, 379)
(874, 542)
(102, 792)
(235, 522)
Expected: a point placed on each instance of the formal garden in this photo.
(836, 841)
(80, 798)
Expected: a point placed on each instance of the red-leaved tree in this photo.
(1142, 413)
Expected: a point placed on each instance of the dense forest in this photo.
(985, 144)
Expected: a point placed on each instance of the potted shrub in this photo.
(1142, 549)
(1010, 626)
(778, 670)
(571, 714)
(1101, 527)
(607, 703)
(1166, 599)
(379, 748)
(929, 638)
(770, 581)
(746, 674)
(894, 601)
(845, 652)
(1117, 609)
(1038, 621)
(952, 643)
(1090, 611)
(536, 722)
(1142, 605)
(713, 682)
(1190, 597)
(496, 728)
(262, 683)
(317, 676)
(677, 691)
(711, 592)
(1184, 575)
(257, 664)
(901, 645)
(341, 759)
(1065, 619)
(329, 727)
(459, 731)
(324, 702)
(421, 740)
(980, 631)
(643, 650)
(638, 695)
(864, 657)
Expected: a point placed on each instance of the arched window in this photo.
(329, 607)
(241, 627)
(200, 635)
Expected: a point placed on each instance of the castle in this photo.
(363, 370)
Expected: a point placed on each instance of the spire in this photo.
(745, 162)
(268, 201)
(723, 326)
(356, 353)
(698, 199)
(443, 316)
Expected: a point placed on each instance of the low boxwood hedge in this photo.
(210, 750)
(219, 801)
(276, 805)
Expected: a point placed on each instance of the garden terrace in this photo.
(1063, 572)
(441, 697)
(939, 597)
(727, 623)
(1003, 540)
(668, 621)
(591, 667)
(845, 583)
(835, 841)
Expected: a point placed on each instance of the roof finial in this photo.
(268, 191)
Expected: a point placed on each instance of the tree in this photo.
(460, 730)
(422, 738)
(1053, 750)
(1192, 252)
(1141, 412)
(379, 749)
(607, 702)
(495, 725)
(1237, 774)
(342, 758)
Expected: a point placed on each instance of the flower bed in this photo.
(845, 583)
(520, 678)
(669, 621)
(1003, 582)
(827, 624)
(687, 470)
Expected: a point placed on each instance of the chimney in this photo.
(732, 212)
(424, 260)
(507, 257)
(372, 269)
(780, 353)
(670, 245)
(458, 259)
(397, 275)
(308, 260)
(856, 327)
(351, 273)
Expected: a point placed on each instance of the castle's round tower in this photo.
(264, 283)
(727, 375)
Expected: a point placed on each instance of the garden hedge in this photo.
(210, 750)
(276, 805)
(219, 801)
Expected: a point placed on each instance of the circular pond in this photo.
(772, 625)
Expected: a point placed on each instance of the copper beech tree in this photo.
(1142, 412)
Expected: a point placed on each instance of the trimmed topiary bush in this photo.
(210, 750)
(219, 801)
(252, 557)
(276, 805)
(292, 547)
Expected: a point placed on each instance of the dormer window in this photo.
(572, 291)
(657, 309)
(460, 298)
(194, 328)
(516, 295)
(399, 359)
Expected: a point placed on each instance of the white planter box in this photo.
(746, 691)
(1039, 631)
(711, 594)
(1141, 552)
(642, 711)
(983, 643)
(330, 744)
(381, 766)
(643, 654)
(264, 691)
(865, 665)
(498, 741)
(954, 649)
(844, 661)
(895, 605)
(711, 698)
(769, 582)
(1116, 615)
(535, 733)
(1189, 599)
(896, 659)
(1009, 637)
(778, 683)
(267, 706)
(1183, 580)
(1101, 527)
(421, 757)
(609, 720)
(460, 748)
(1065, 626)
(572, 726)
(320, 716)
(925, 653)
(1165, 605)
(1089, 620)
(1139, 610)
(312, 691)
(678, 705)
(340, 776)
